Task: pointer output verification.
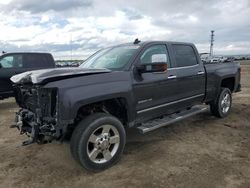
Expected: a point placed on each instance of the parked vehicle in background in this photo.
(219, 59)
(75, 64)
(215, 59)
(61, 64)
(230, 59)
(68, 63)
(242, 57)
(15, 63)
(223, 59)
(143, 85)
(204, 57)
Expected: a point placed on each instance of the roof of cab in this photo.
(144, 43)
(12, 53)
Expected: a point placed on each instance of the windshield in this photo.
(114, 58)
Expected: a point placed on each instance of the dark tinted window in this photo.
(35, 60)
(12, 61)
(184, 55)
(155, 54)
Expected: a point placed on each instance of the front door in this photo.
(154, 91)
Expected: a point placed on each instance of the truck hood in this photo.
(54, 74)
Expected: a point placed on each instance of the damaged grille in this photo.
(48, 100)
(26, 97)
(36, 98)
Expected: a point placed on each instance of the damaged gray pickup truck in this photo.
(144, 85)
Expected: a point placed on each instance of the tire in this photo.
(222, 106)
(98, 141)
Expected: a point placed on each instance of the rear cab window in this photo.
(35, 60)
(184, 55)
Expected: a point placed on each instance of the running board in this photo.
(168, 119)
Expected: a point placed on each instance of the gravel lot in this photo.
(202, 151)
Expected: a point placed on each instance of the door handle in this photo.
(200, 72)
(172, 77)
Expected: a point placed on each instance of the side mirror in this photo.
(158, 64)
(156, 58)
(152, 67)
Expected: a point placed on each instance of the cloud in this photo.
(46, 5)
(84, 26)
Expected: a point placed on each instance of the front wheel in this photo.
(98, 141)
(222, 105)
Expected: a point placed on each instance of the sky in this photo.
(78, 28)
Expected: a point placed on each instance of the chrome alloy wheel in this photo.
(225, 103)
(103, 144)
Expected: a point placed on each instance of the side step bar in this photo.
(168, 119)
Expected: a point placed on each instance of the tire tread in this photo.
(214, 106)
(82, 130)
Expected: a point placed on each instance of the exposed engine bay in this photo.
(37, 117)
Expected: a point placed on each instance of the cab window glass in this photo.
(184, 55)
(155, 54)
(12, 61)
(114, 58)
(35, 60)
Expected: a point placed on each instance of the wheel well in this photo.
(228, 83)
(116, 107)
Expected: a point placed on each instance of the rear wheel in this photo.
(222, 105)
(98, 141)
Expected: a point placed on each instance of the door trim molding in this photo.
(185, 67)
(167, 104)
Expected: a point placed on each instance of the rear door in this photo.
(190, 75)
(11, 64)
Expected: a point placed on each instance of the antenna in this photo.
(212, 44)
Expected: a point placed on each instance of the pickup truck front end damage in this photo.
(37, 117)
(130, 85)
(39, 114)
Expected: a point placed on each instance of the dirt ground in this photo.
(202, 151)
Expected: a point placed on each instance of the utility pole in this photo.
(71, 47)
(212, 43)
